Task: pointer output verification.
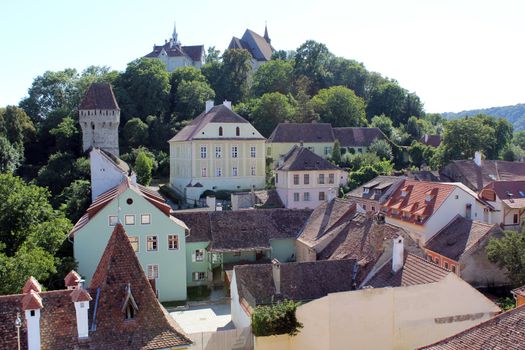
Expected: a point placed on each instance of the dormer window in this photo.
(129, 308)
(237, 131)
(220, 130)
(428, 197)
(404, 193)
(366, 190)
(419, 219)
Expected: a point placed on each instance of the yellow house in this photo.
(218, 150)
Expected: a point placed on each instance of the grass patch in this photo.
(198, 293)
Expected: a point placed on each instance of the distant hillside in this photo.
(515, 114)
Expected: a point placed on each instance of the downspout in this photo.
(94, 323)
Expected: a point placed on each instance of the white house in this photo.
(423, 208)
(218, 150)
(508, 199)
(107, 171)
(304, 180)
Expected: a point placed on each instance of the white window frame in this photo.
(129, 216)
(218, 172)
(204, 152)
(196, 276)
(253, 170)
(235, 152)
(218, 152)
(306, 179)
(138, 243)
(176, 239)
(323, 194)
(204, 172)
(142, 216)
(112, 217)
(321, 180)
(253, 151)
(152, 271)
(296, 176)
(306, 196)
(296, 196)
(148, 241)
(235, 171)
(327, 150)
(196, 254)
(331, 179)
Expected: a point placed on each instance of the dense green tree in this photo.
(519, 139)
(348, 73)
(75, 199)
(10, 156)
(51, 91)
(508, 252)
(61, 169)
(212, 55)
(312, 60)
(271, 109)
(191, 97)
(143, 168)
(131, 157)
(339, 106)
(16, 126)
(213, 73)
(135, 133)
(143, 89)
(283, 55)
(184, 74)
(336, 152)
(381, 148)
(383, 123)
(234, 74)
(414, 128)
(67, 136)
(463, 137)
(273, 76)
(420, 153)
(392, 100)
(245, 109)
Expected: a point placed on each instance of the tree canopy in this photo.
(339, 106)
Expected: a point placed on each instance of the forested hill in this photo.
(514, 114)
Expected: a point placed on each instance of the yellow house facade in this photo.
(218, 150)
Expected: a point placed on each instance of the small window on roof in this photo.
(366, 190)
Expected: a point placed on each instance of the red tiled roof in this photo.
(32, 301)
(505, 332)
(415, 199)
(72, 279)
(152, 327)
(415, 270)
(99, 96)
(505, 190)
(31, 284)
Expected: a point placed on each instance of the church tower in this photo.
(99, 117)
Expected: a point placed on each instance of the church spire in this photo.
(266, 36)
(174, 36)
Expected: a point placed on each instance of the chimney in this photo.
(209, 106)
(72, 279)
(276, 274)
(228, 104)
(477, 158)
(426, 138)
(397, 254)
(81, 298)
(31, 304)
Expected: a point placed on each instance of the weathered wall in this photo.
(275, 342)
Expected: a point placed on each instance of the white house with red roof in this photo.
(423, 208)
(508, 199)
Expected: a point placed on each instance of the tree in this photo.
(31, 233)
(273, 76)
(58, 173)
(519, 139)
(348, 73)
(178, 76)
(339, 106)
(414, 128)
(508, 252)
(143, 88)
(383, 123)
(191, 97)
(420, 153)
(234, 74)
(143, 168)
(75, 199)
(276, 319)
(336, 152)
(67, 136)
(381, 148)
(10, 157)
(16, 126)
(135, 133)
(271, 109)
(312, 60)
(463, 137)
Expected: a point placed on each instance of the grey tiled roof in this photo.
(301, 159)
(381, 183)
(195, 52)
(357, 137)
(302, 132)
(255, 44)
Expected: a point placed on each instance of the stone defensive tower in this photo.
(99, 117)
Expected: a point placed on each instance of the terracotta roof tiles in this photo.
(99, 96)
(31, 284)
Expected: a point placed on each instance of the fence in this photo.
(232, 339)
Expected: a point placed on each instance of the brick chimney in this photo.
(31, 305)
(81, 298)
(276, 274)
(397, 254)
(209, 106)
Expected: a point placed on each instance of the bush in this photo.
(276, 319)
(169, 192)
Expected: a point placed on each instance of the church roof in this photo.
(259, 47)
(99, 96)
(194, 52)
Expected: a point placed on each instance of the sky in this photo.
(454, 54)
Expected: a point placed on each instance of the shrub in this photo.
(276, 319)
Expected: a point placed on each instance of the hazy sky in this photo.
(455, 55)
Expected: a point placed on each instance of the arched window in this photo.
(93, 126)
(237, 131)
(220, 130)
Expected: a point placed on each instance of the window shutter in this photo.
(193, 257)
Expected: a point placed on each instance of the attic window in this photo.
(366, 190)
(129, 308)
(428, 197)
(220, 130)
(404, 193)
(129, 201)
(237, 131)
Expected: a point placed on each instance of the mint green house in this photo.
(158, 238)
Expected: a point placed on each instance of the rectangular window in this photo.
(204, 172)
(321, 179)
(296, 197)
(276, 178)
(204, 152)
(296, 179)
(145, 219)
(515, 219)
(306, 196)
(327, 150)
(234, 152)
(468, 211)
(234, 171)
(129, 219)
(218, 152)
(436, 260)
(445, 265)
(253, 152)
(199, 276)
(113, 219)
(152, 245)
(199, 255)
(359, 150)
(373, 208)
(306, 179)
(218, 172)
(153, 272)
(331, 178)
(173, 242)
(454, 268)
(134, 240)
(236, 253)
(322, 198)
(253, 170)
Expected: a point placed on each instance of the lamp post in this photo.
(18, 324)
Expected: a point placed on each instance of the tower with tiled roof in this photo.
(99, 118)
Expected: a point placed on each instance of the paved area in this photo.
(204, 318)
